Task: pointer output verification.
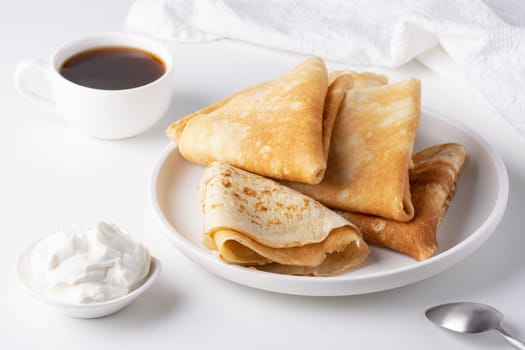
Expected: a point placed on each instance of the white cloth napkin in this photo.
(484, 39)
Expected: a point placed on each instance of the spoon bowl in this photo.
(466, 317)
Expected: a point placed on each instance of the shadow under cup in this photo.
(112, 114)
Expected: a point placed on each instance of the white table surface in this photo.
(52, 175)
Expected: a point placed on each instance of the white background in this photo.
(52, 175)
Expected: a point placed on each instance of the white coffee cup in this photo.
(104, 114)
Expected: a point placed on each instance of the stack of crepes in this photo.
(281, 153)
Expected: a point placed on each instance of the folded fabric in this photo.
(482, 38)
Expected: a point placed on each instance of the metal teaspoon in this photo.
(465, 317)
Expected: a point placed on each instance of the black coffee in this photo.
(113, 68)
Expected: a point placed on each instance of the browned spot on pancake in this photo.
(254, 222)
(249, 192)
(274, 221)
(226, 183)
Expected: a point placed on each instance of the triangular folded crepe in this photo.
(254, 221)
(432, 184)
(274, 129)
(338, 85)
(370, 152)
(360, 80)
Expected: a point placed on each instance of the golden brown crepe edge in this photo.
(342, 248)
(416, 238)
(335, 94)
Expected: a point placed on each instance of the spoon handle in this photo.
(515, 342)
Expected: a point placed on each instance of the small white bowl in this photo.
(88, 310)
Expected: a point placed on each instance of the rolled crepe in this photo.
(370, 151)
(254, 221)
(276, 129)
(432, 182)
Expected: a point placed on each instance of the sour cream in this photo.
(87, 266)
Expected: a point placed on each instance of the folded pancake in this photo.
(254, 221)
(275, 129)
(338, 85)
(360, 80)
(370, 152)
(432, 182)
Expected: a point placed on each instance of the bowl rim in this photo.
(154, 271)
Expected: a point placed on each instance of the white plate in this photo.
(478, 206)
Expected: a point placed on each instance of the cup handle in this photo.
(22, 87)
